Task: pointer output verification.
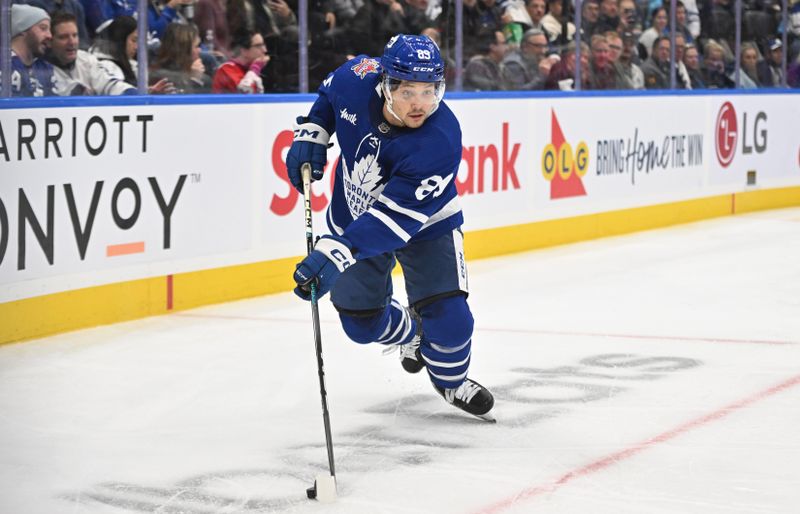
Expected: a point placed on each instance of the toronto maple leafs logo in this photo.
(365, 66)
(362, 183)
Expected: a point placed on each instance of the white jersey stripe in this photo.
(447, 349)
(450, 208)
(388, 202)
(390, 223)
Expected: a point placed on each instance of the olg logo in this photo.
(564, 160)
(562, 165)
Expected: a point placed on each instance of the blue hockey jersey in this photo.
(36, 80)
(393, 185)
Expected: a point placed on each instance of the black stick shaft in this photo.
(306, 173)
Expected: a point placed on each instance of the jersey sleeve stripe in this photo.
(450, 208)
(390, 224)
(388, 202)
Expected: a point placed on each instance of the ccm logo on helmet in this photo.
(422, 68)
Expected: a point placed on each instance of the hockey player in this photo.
(394, 199)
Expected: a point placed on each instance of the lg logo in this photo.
(727, 134)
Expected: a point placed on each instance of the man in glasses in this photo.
(527, 67)
(242, 74)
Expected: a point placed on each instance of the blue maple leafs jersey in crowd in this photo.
(393, 185)
(36, 80)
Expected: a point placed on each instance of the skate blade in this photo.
(486, 417)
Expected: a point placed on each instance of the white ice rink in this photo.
(651, 373)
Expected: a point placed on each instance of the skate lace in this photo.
(408, 350)
(465, 392)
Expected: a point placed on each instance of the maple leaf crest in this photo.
(366, 173)
(362, 183)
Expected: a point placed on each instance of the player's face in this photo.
(412, 102)
(65, 42)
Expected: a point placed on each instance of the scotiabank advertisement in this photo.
(103, 194)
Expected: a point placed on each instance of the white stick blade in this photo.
(326, 488)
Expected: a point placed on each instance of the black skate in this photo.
(471, 397)
(410, 356)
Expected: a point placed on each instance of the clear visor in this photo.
(421, 93)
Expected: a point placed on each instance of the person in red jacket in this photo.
(242, 74)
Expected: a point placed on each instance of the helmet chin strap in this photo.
(389, 101)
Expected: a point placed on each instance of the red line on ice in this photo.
(520, 330)
(621, 455)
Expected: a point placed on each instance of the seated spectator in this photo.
(536, 10)
(614, 42)
(793, 73)
(602, 74)
(714, 67)
(516, 21)
(178, 60)
(344, 10)
(527, 67)
(71, 6)
(116, 46)
(30, 33)
(374, 24)
(628, 62)
(692, 23)
(629, 18)
(159, 15)
(682, 79)
(562, 74)
(657, 29)
(656, 67)
(680, 22)
(748, 75)
(590, 15)
(609, 16)
(553, 21)
(77, 72)
(449, 63)
(211, 18)
(770, 70)
(484, 71)
(268, 18)
(242, 74)
(415, 16)
(691, 59)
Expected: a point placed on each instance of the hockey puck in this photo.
(311, 492)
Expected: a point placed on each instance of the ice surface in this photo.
(651, 373)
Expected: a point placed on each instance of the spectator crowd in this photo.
(89, 47)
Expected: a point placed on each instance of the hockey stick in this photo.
(324, 488)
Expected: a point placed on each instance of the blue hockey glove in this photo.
(331, 256)
(310, 145)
